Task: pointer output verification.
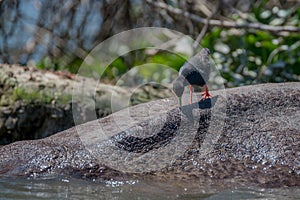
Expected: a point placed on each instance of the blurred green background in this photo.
(57, 35)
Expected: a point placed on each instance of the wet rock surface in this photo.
(248, 135)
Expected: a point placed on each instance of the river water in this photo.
(66, 188)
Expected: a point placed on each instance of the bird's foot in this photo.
(206, 95)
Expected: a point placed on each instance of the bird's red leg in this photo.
(206, 94)
(191, 92)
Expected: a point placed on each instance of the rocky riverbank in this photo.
(38, 103)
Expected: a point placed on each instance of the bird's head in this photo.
(178, 86)
(204, 63)
(205, 52)
(204, 55)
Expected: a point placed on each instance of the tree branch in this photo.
(225, 24)
(205, 27)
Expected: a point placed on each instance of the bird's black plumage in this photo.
(192, 76)
(194, 72)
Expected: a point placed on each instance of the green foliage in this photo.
(152, 64)
(243, 56)
(116, 69)
(169, 59)
(63, 63)
(256, 56)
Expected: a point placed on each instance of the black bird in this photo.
(194, 72)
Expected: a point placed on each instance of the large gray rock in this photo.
(248, 135)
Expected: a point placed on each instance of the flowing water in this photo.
(66, 188)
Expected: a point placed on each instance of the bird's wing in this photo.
(192, 75)
(189, 68)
